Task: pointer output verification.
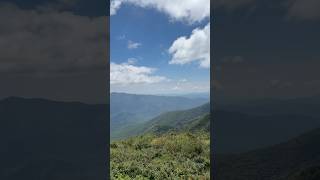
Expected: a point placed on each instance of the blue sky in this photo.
(146, 54)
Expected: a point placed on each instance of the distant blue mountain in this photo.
(129, 109)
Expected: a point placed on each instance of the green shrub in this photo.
(169, 156)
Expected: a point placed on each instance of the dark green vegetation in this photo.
(130, 111)
(191, 119)
(184, 120)
(297, 159)
(174, 145)
(168, 156)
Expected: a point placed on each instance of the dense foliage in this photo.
(182, 155)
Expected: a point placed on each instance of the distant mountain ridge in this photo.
(129, 110)
(192, 119)
(150, 104)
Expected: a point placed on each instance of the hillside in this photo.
(174, 145)
(169, 156)
(178, 120)
(296, 159)
(44, 139)
(129, 111)
(185, 120)
(240, 128)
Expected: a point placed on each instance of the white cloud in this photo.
(196, 48)
(190, 11)
(133, 45)
(122, 37)
(132, 60)
(114, 6)
(128, 73)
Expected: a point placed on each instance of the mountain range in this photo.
(192, 120)
(247, 130)
(197, 118)
(128, 111)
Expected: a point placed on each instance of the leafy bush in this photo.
(170, 156)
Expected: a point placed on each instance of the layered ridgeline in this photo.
(45, 139)
(194, 119)
(240, 128)
(296, 159)
(130, 111)
(174, 145)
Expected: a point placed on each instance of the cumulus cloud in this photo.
(114, 6)
(304, 9)
(61, 41)
(190, 11)
(133, 45)
(128, 73)
(195, 48)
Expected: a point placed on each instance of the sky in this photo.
(160, 47)
(57, 49)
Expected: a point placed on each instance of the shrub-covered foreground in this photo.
(169, 156)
